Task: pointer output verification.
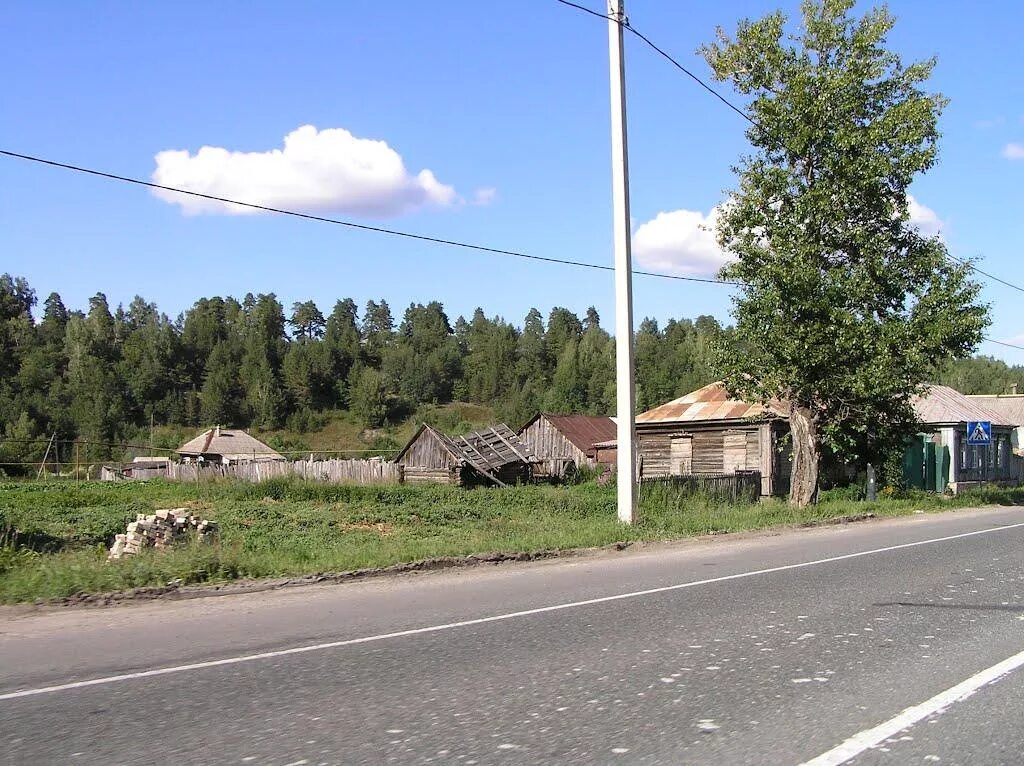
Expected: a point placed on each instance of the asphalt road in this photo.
(772, 649)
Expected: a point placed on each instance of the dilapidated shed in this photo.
(492, 455)
(561, 440)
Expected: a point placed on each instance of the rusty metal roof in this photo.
(1010, 406)
(706, 404)
(584, 431)
(937, 405)
(942, 404)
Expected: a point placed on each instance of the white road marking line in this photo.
(485, 620)
(868, 738)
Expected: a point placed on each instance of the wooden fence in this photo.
(351, 471)
(742, 486)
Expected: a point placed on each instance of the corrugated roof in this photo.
(938, 404)
(709, 403)
(584, 431)
(942, 404)
(234, 444)
(1010, 406)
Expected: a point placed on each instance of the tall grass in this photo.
(53, 536)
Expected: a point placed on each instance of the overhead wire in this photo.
(664, 54)
(467, 245)
(971, 265)
(129, 446)
(351, 224)
(1003, 343)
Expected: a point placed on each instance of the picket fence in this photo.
(372, 471)
(733, 487)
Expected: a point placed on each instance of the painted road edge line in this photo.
(869, 738)
(484, 620)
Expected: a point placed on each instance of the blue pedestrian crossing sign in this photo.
(979, 432)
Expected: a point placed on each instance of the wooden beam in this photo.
(510, 445)
(487, 470)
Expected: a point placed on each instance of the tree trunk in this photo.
(803, 487)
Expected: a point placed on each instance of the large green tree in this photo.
(845, 308)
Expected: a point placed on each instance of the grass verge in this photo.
(53, 535)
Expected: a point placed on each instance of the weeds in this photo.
(53, 536)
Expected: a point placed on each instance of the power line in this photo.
(585, 10)
(985, 273)
(626, 25)
(664, 54)
(434, 240)
(1003, 343)
(127, 446)
(350, 224)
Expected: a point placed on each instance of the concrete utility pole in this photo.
(625, 388)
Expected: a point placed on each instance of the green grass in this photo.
(53, 535)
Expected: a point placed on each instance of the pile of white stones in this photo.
(159, 530)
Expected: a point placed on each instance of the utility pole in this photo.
(624, 385)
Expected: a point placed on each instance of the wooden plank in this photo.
(519, 454)
(681, 455)
(486, 471)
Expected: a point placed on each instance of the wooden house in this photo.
(939, 457)
(560, 441)
(708, 432)
(1010, 408)
(493, 455)
(227, 446)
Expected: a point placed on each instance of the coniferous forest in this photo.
(105, 375)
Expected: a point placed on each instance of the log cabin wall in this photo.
(421, 475)
(677, 449)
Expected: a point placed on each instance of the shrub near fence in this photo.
(353, 471)
(739, 487)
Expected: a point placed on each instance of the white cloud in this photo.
(680, 242)
(325, 171)
(685, 242)
(925, 219)
(1014, 151)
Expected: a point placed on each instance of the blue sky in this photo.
(504, 105)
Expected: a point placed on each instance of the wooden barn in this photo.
(493, 455)
(561, 440)
(707, 432)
